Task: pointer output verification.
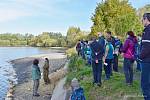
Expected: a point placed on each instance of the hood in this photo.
(134, 39)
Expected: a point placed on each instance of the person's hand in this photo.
(104, 59)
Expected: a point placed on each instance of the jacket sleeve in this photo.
(145, 50)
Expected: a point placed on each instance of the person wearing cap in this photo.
(145, 57)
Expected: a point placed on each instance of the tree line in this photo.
(46, 39)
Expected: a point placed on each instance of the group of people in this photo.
(95, 51)
(104, 53)
(36, 75)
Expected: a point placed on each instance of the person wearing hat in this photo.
(145, 57)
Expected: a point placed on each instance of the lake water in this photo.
(6, 70)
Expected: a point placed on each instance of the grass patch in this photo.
(113, 89)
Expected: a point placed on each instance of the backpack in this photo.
(136, 50)
(78, 94)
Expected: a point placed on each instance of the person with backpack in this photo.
(77, 91)
(128, 49)
(108, 57)
(145, 57)
(36, 76)
(97, 54)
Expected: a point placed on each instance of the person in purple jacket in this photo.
(128, 50)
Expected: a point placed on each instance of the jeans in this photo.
(145, 80)
(128, 70)
(35, 86)
(108, 68)
(97, 71)
(115, 63)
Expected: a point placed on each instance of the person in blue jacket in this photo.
(97, 53)
(36, 76)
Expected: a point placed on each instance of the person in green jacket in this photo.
(36, 76)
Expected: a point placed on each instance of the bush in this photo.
(71, 52)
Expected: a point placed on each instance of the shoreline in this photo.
(22, 67)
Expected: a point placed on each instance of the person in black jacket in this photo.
(145, 57)
(97, 54)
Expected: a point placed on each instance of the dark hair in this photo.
(46, 59)
(108, 32)
(109, 40)
(130, 33)
(146, 15)
(86, 41)
(35, 62)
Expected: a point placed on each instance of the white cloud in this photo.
(11, 14)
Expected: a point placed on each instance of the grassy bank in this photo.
(113, 89)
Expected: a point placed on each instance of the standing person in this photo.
(46, 71)
(36, 76)
(108, 57)
(112, 40)
(116, 53)
(96, 56)
(101, 40)
(138, 68)
(128, 50)
(88, 53)
(78, 48)
(145, 57)
(82, 49)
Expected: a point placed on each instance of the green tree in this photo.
(117, 16)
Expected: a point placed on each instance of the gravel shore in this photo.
(23, 90)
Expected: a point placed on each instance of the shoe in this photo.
(36, 95)
(99, 84)
(129, 84)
